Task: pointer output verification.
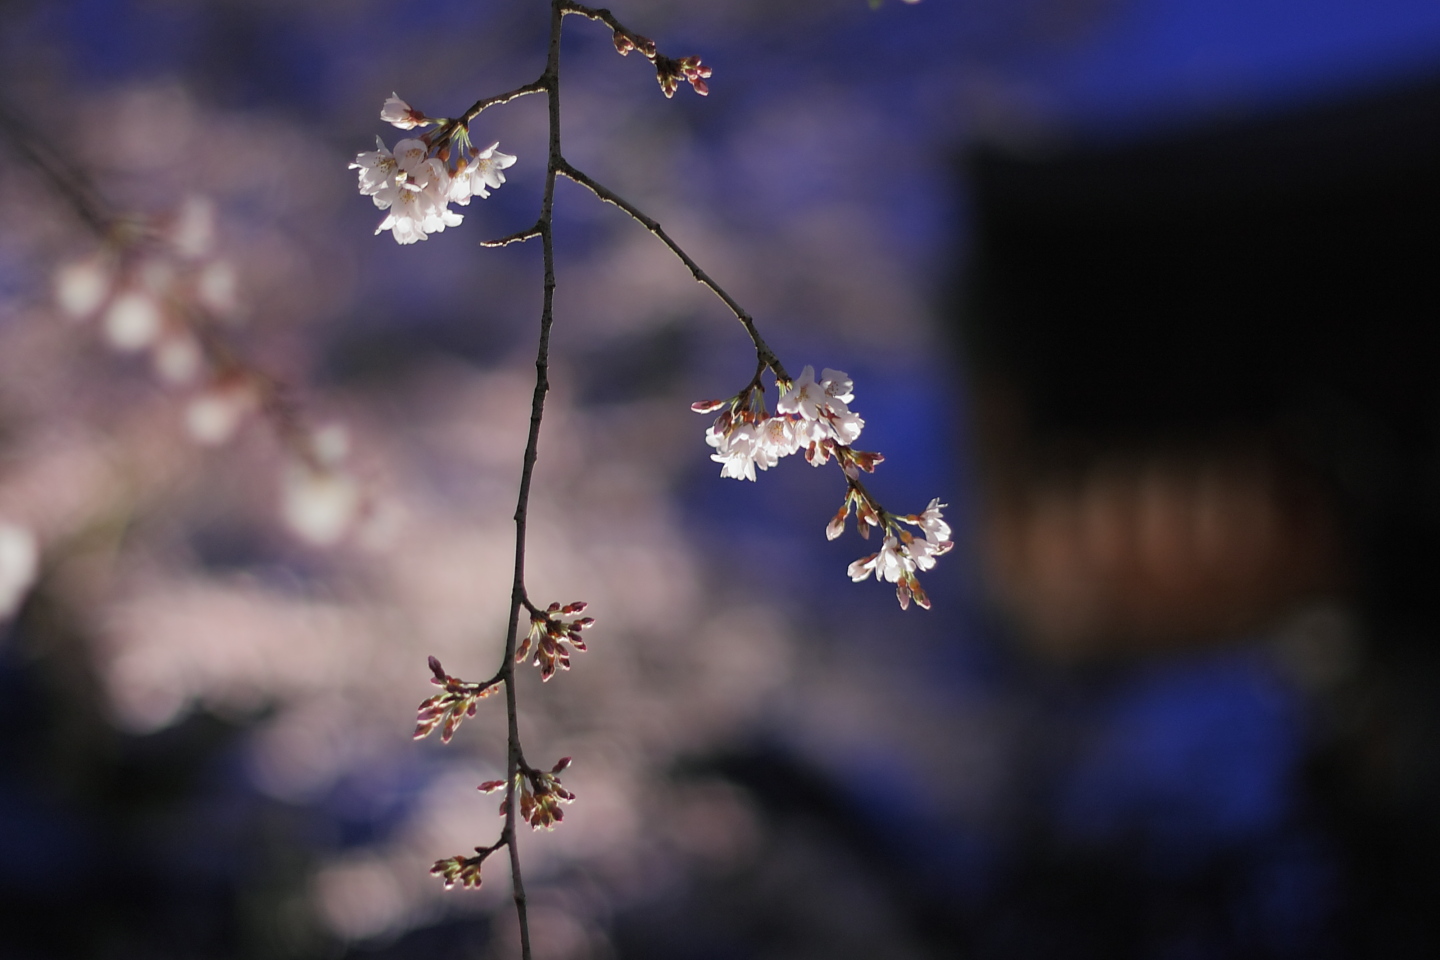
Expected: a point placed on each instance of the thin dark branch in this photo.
(549, 82)
(539, 86)
(71, 185)
(762, 350)
(520, 236)
(594, 13)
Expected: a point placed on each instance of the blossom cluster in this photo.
(158, 288)
(551, 630)
(416, 182)
(814, 415)
(540, 795)
(451, 707)
(902, 553)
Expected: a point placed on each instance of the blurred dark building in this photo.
(1243, 311)
(1206, 366)
(1207, 379)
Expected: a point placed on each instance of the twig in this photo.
(70, 184)
(448, 128)
(544, 228)
(520, 236)
(762, 349)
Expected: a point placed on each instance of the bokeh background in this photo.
(1142, 290)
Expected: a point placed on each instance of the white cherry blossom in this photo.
(736, 449)
(890, 564)
(411, 154)
(823, 404)
(407, 215)
(81, 287)
(935, 528)
(192, 234)
(397, 112)
(215, 287)
(212, 417)
(178, 359)
(378, 174)
(418, 188)
(837, 384)
(320, 505)
(133, 320)
(782, 437)
(487, 170)
(804, 397)
(924, 552)
(841, 424)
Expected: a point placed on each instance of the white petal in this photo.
(177, 359)
(213, 417)
(133, 321)
(19, 565)
(81, 287)
(319, 506)
(215, 286)
(193, 232)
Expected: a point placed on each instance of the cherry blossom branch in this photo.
(178, 325)
(668, 71)
(539, 86)
(763, 352)
(515, 761)
(598, 13)
(745, 436)
(416, 184)
(520, 236)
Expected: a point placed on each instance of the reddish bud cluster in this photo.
(852, 461)
(451, 707)
(860, 460)
(671, 73)
(625, 41)
(908, 587)
(540, 795)
(464, 871)
(867, 513)
(550, 631)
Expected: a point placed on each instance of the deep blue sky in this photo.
(1169, 56)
